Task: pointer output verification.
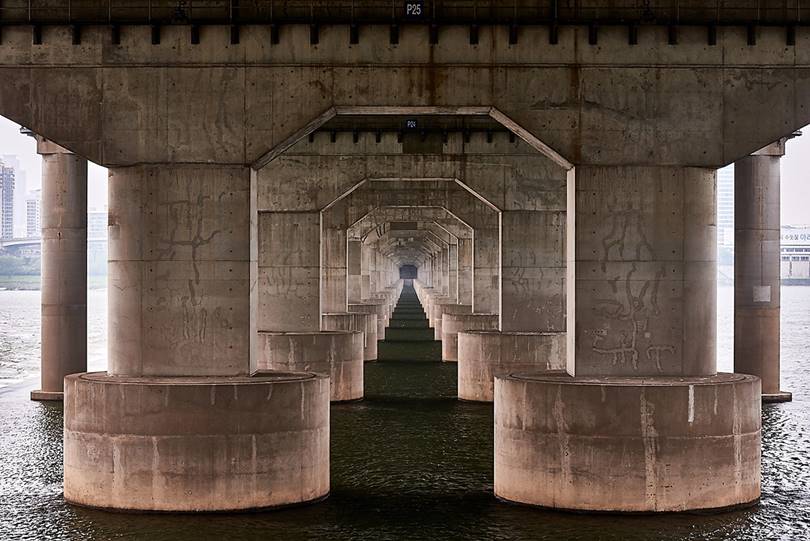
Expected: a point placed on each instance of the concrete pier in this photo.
(289, 304)
(337, 354)
(530, 333)
(757, 266)
(366, 323)
(64, 268)
(183, 420)
(187, 444)
(641, 413)
(624, 444)
(452, 324)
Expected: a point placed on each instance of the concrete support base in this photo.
(452, 324)
(47, 396)
(622, 444)
(482, 355)
(337, 354)
(378, 309)
(196, 444)
(347, 321)
(438, 313)
(775, 398)
(431, 306)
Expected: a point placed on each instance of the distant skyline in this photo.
(795, 172)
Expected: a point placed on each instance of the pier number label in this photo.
(414, 9)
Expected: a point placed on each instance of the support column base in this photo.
(368, 308)
(47, 396)
(452, 324)
(483, 355)
(196, 444)
(776, 398)
(438, 311)
(355, 321)
(628, 444)
(337, 354)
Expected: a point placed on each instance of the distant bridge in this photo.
(18, 245)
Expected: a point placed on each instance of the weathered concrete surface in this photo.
(365, 323)
(141, 103)
(465, 257)
(289, 290)
(438, 315)
(337, 354)
(646, 271)
(452, 324)
(179, 271)
(379, 309)
(334, 271)
(64, 268)
(532, 270)
(628, 444)
(757, 265)
(196, 443)
(483, 355)
(354, 279)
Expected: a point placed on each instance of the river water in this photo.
(408, 462)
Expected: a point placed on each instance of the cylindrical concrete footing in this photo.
(430, 307)
(440, 309)
(196, 443)
(452, 324)
(628, 444)
(366, 323)
(379, 309)
(337, 354)
(482, 355)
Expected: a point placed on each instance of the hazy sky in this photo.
(795, 173)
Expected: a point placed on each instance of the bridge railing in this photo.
(777, 12)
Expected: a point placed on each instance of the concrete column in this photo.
(444, 261)
(532, 271)
(64, 268)
(757, 261)
(289, 271)
(465, 271)
(353, 257)
(182, 293)
(486, 258)
(180, 271)
(452, 269)
(642, 414)
(365, 271)
(646, 272)
(531, 321)
(333, 259)
(289, 302)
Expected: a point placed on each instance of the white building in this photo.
(725, 207)
(33, 214)
(795, 254)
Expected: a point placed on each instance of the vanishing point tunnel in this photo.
(542, 174)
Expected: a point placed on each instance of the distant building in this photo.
(6, 201)
(97, 224)
(795, 255)
(33, 214)
(725, 206)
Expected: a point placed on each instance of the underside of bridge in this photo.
(547, 170)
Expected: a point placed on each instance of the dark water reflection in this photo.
(409, 462)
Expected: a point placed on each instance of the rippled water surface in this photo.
(408, 462)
